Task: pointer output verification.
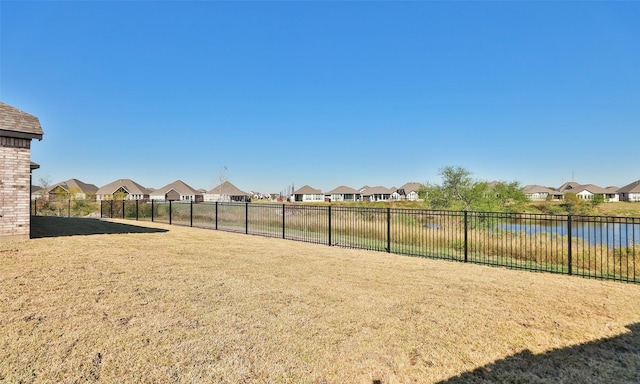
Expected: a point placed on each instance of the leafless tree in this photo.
(45, 182)
(222, 177)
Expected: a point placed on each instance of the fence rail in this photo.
(590, 246)
(65, 208)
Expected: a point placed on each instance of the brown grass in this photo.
(192, 305)
(621, 208)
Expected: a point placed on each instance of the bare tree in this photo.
(45, 181)
(222, 178)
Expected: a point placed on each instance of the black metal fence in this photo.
(65, 208)
(590, 246)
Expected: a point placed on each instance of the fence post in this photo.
(283, 222)
(466, 236)
(111, 210)
(388, 229)
(137, 208)
(569, 246)
(69, 208)
(170, 212)
(191, 213)
(152, 210)
(216, 215)
(246, 218)
(101, 215)
(123, 208)
(329, 225)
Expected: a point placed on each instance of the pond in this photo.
(614, 235)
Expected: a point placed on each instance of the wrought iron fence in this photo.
(590, 246)
(65, 208)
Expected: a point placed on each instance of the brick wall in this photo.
(15, 184)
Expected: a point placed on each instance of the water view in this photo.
(613, 235)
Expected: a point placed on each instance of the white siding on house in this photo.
(585, 195)
(537, 196)
(313, 198)
(630, 196)
(413, 196)
(608, 197)
(217, 197)
(612, 197)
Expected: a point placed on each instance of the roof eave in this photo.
(20, 135)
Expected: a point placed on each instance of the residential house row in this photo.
(128, 189)
(630, 192)
(227, 192)
(408, 191)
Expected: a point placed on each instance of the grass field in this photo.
(98, 301)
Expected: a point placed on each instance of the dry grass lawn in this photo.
(190, 305)
(621, 208)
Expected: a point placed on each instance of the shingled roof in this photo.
(74, 184)
(378, 190)
(307, 190)
(18, 124)
(534, 188)
(179, 186)
(411, 187)
(127, 184)
(343, 189)
(227, 188)
(631, 188)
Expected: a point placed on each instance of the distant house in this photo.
(611, 194)
(378, 193)
(408, 191)
(37, 192)
(17, 129)
(342, 193)
(540, 193)
(71, 189)
(125, 189)
(630, 192)
(177, 191)
(260, 196)
(588, 191)
(308, 194)
(227, 193)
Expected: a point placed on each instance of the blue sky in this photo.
(326, 93)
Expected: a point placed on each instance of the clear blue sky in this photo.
(327, 93)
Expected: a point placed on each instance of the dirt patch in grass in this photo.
(194, 305)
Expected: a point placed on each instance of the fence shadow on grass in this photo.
(47, 226)
(609, 360)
